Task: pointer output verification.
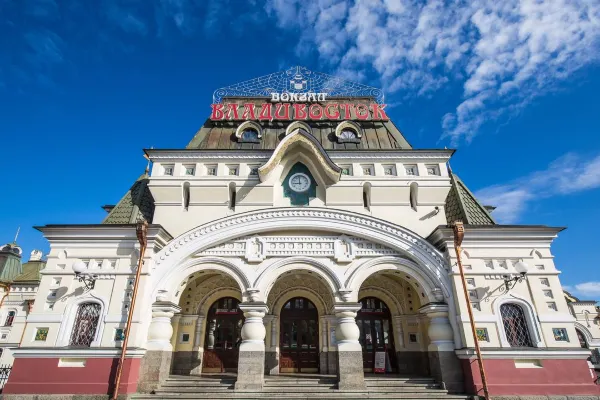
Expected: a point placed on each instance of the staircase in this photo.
(299, 387)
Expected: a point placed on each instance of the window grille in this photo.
(515, 325)
(9, 318)
(86, 324)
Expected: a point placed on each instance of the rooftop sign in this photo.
(295, 94)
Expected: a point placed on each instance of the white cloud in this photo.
(504, 53)
(566, 175)
(586, 290)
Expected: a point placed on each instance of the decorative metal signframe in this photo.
(298, 80)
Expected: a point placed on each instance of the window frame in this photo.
(528, 310)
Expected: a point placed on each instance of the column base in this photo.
(187, 362)
(154, 370)
(447, 369)
(350, 370)
(413, 363)
(251, 370)
(271, 363)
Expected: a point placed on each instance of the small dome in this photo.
(12, 248)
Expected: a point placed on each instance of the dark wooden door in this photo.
(299, 336)
(223, 336)
(376, 333)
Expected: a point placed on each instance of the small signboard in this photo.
(379, 367)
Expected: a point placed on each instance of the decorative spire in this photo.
(17, 235)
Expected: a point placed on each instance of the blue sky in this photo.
(511, 85)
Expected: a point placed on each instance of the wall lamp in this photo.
(511, 280)
(89, 280)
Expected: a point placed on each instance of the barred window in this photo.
(86, 324)
(9, 318)
(515, 325)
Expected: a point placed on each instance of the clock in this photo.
(299, 182)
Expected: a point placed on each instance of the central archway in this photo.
(299, 336)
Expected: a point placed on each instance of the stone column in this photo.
(271, 356)
(350, 363)
(198, 349)
(445, 366)
(156, 364)
(251, 363)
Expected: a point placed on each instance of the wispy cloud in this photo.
(504, 53)
(586, 290)
(568, 174)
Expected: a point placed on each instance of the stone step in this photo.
(298, 396)
(305, 389)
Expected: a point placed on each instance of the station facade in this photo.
(302, 235)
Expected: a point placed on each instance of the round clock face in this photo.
(299, 182)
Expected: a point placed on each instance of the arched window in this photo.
(232, 196)
(515, 325)
(9, 318)
(367, 196)
(86, 325)
(186, 195)
(250, 135)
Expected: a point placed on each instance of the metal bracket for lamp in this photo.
(511, 280)
(89, 280)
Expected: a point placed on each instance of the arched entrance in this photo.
(376, 335)
(223, 329)
(299, 336)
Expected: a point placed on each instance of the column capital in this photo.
(254, 309)
(346, 308)
(167, 308)
(432, 309)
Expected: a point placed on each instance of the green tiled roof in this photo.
(136, 206)
(31, 271)
(10, 262)
(461, 205)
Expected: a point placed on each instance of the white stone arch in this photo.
(173, 264)
(422, 283)
(297, 125)
(268, 277)
(248, 125)
(172, 281)
(589, 339)
(530, 318)
(71, 308)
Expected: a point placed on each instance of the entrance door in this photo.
(299, 337)
(223, 336)
(376, 334)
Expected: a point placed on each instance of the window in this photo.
(185, 338)
(348, 135)
(211, 170)
(412, 338)
(9, 318)
(482, 334)
(560, 334)
(249, 135)
(254, 170)
(367, 196)
(389, 170)
(232, 196)
(582, 341)
(233, 169)
(190, 170)
(433, 170)
(346, 170)
(411, 170)
(548, 293)
(515, 325)
(552, 306)
(367, 170)
(185, 195)
(544, 281)
(168, 170)
(86, 325)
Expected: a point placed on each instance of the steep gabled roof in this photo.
(462, 205)
(31, 272)
(136, 206)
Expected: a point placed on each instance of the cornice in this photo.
(61, 352)
(186, 155)
(527, 354)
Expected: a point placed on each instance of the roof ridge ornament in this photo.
(298, 79)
